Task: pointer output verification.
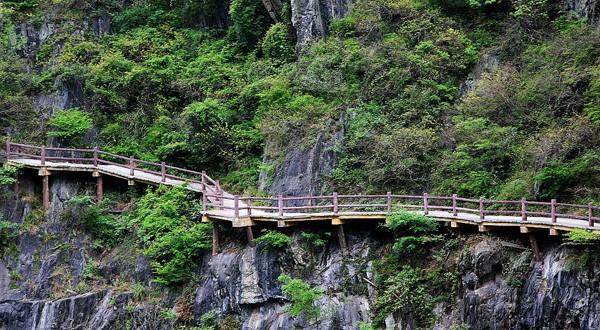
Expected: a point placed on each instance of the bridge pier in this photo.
(250, 236)
(46, 192)
(99, 188)
(342, 238)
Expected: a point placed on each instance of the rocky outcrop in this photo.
(304, 171)
(310, 18)
(586, 9)
(487, 64)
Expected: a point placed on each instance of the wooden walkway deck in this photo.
(244, 211)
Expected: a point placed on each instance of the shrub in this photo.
(106, 229)
(272, 239)
(9, 232)
(406, 293)
(410, 223)
(582, 237)
(302, 295)
(164, 223)
(277, 44)
(7, 175)
(69, 123)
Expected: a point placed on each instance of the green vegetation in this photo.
(302, 296)
(7, 175)
(9, 233)
(413, 231)
(272, 239)
(582, 237)
(70, 123)
(106, 229)
(166, 223)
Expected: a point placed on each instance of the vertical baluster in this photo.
(163, 172)
(95, 156)
(280, 204)
(389, 202)
(553, 210)
(131, 167)
(335, 203)
(43, 156)
(236, 206)
(426, 203)
(7, 149)
(481, 209)
(590, 215)
(454, 211)
(523, 209)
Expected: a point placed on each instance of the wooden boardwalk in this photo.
(246, 211)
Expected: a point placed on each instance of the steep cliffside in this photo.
(45, 279)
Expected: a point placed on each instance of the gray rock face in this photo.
(310, 18)
(488, 63)
(587, 9)
(303, 171)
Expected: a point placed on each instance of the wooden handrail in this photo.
(214, 196)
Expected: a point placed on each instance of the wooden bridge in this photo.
(246, 211)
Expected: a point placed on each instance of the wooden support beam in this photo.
(454, 224)
(483, 228)
(99, 188)
(535, 247)
(130, 183)
(342, 239)
(250, 236)
(45, 192)
(205, 219)
(336, 221)
(215, 243)
(554, 232)
(524, 229)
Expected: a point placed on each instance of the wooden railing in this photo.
(96, 157)
(214, 198)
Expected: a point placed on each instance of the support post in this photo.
(342, 239)
(454, 211)
(16, 188)
(426, 203)
(535, 247)
(481, 209)
(7, 146)
(280, 205)
(389, 202)
(131, 167)
(236, 205)
(203, 187)
(99, 188)
(215, 245)
(553, 210)
(163, 172)
(250, 236)
(45, 192)
(43, 156)
(523, 209)
(95, 156)
(335, 203)
(590, 215)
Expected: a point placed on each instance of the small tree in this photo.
(303, 297)
(71, 123)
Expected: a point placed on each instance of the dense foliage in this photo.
(166, 223)
(229, 99)
(302, 296)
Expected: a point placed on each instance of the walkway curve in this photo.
(245, 211)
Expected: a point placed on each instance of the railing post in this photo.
(481, 209)
(7, 149)
(389, 202)
(43, 156)
(96, 156)
(454, 212)
(590, 215)
(280, 204)
(236, 205)
(523, 209)
(426, 203)
(163, 172)
(219, 194)
(553, 210)
(204, 192)
(335, 203)
(249, 206)
(131, 166)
